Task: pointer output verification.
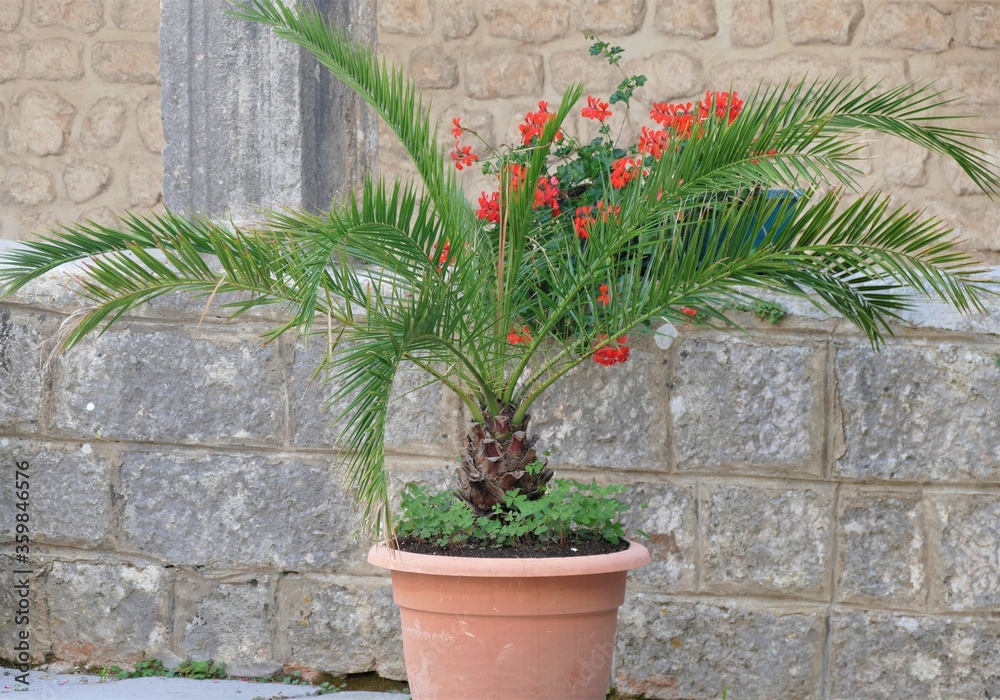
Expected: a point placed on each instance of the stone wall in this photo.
(80, 131)
(824, 521)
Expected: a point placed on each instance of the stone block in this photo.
(102, 216)
(978, 82)
(10, 15)
(431, 68)
(478, 120)
(745, 75)
(894, 427)
(670, 75)
(85, 16)
(228, 621)
(666, 513)
(566, 67)
(104, 122)
(406, 16)
(127, 61)
(69, 492)
(752, 24)
(903, 163)
(232, 510)
(458, 18)
(887, 72)
(339, 626)
(881, 549)
(13, 602)
(149, 123)
(145, 184)
(139, 384)
(503, 74)
(85, 179)
(766, 539)
(535, 21)
(691, 18)
(40, 124)
(26, 184)
(916, 26)
(966, 549)
(11, 60)
(963, 185)
(982, 28)
(136, 15)
(22, 377)
(822, 21)
(607, 416)
(669, 648)
(53, 59)
(736, 403)
(882, 655)
(107, 613)
(612, 17)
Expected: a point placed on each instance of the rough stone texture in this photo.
(902, 162)
(406, 16)
(666, 514)
(135, 383)
(136, 15)
(104, 122)
(670, 648)
(881, 549)
(11, 604)
(21, 374)
(963, 185)
(822, 21)
(916, 26)
(566, 67)
(612, 17)
(458, 18)
(752, 23)
(85, 16)
(776, 70)
(340, 626)
(766, 539)
(11, 60)
(603, 415)
(40, 124)
(431, 68)
(527, 20)
(232, 510)
(894, 425)
(983, 25)
(127, 61)
(69, 492)
(977, 81)
(880, 655)
(227, 621)
(107, 613)
(85, 179)
(53, 59)
(691, 18)
(967, 547)
(669, 74)
(26, 184)
(145, 184)
(10, 15)
(147, 120)
(503, 74)
(736, 403)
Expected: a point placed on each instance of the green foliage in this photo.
(201, 669)
(566, 509)
(762, 309)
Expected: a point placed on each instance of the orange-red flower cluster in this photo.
(596, 109)
(462, 155)
(614, 353)
(534, 124)
(624, 170)
(582, 220)
(519, 337)
(489, 207)
(652, 141)
(604, 297)
(722, 104)
(680, 117)
(443, 257)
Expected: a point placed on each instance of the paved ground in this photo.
(44, 685)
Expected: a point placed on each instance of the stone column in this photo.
(252, 120)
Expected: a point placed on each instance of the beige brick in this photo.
(478, 120)
(11, 60)
(527, 20)
(10, 14)
(917, 26)
(102, 216)
(752, 23)
(974, 82)
(567, 67)
(127, 61)
(136, 15)
(40, 124)
(670, 75)
(458, 18)
(38, 222)
(145, 184)
(405, 16)
(503, 74)
(744, 76)
(822, 21)
(104, 122)
(432, 68)
(612, 17)
(960, 183)
(980, 226)
(85, 179)
(149, 123)
(54, 59)
(85, 16)
(26, 184)
(902, 162)
(983, 26)
(886, 72)
(693, 18)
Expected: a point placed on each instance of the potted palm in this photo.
(579, 246)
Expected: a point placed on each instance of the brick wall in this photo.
(80, 130)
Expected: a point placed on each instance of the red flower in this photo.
(582, 220)
(534, 124)
(722, 104)
(547, 193)
(517, 172)
(457, 129)
(688, 311)
(625, 170)
(605, 210)
(653, 142)
(443, 258)
(604, 297)
(463, 156)
(614, 353)
(489, 207)
(596, 109)
(522, 337)
(678, 117)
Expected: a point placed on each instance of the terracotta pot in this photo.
(505, 629)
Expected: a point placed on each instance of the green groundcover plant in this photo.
(580, 245)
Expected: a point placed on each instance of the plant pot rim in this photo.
(385, 557)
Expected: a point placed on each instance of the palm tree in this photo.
(405, 272)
